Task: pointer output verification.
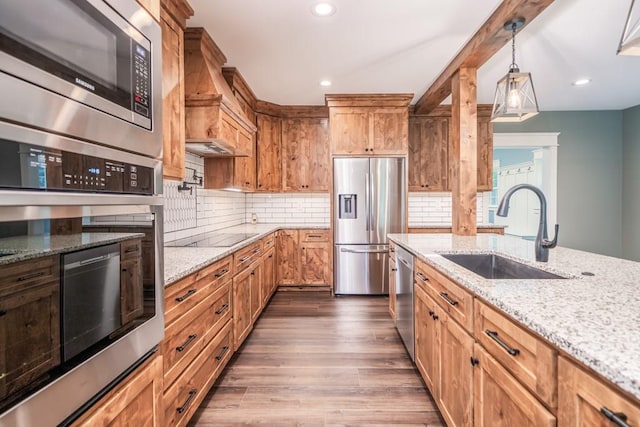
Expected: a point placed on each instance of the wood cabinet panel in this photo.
(454, 300)
(182, 399)
(314, 266)
(137, 401)
(586, 401)
(269, 153)
(288, 257)
(305, 154)
(245, 167)
(426, 339)
(455, 372)
(255, 284)
(499, 399)
(428, 154)
(392, 287)
(242, 320)
(528, 358)
(485, 154)
(151, 6)
(349, 132)
(173, 110)
(186, 337)
(131, 288)
(389, 128)
(268, 275)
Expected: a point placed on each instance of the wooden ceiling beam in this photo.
(488, 40)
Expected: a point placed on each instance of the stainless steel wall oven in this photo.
(81, 278)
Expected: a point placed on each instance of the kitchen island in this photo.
(592, 315)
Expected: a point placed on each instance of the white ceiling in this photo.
(384, 46)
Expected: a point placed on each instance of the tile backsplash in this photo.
(187, 213)
(288, 208)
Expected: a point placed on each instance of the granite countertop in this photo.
(23, 248)
(594, 318)
(179, 262)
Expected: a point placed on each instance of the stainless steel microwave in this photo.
(89, 69)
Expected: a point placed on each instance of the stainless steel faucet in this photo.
(543, 244)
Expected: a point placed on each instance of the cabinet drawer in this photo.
(26, 274)
(186, 337)
(314, 235)
(182, 399)
(244, 257)
(527, 357)
(130, 249)
(451, 297)
(585, 400)
(268, 242)
(183, 295)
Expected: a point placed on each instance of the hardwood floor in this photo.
(316, 360)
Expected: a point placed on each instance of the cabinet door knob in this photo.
(474, 361)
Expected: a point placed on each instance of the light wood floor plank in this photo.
(316, 360)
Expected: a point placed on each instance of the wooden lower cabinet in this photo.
(500, 400)
(137, 401)
(304, 258)
(426, 339)
(268, 275)
(585, 400)
(182, 399)
(455, 372)
(392, 288)
(255, 285)
(242, 319)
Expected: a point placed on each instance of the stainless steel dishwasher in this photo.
(404, 299)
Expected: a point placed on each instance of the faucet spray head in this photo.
(503, 207)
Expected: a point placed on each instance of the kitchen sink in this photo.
(492, 266)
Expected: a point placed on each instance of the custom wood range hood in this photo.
(215, 123)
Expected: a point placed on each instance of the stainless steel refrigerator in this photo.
(370, 202)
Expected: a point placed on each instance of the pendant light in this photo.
(515, 99)
(630, 41)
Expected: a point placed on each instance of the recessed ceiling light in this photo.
(325, 83)
(581, 82)
(323, 9)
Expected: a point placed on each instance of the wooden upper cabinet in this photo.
(174, 14)
(268, 153)
(368, 124)
(429, 147)
(245, 167)
(428, 154)
(305, 154)
(151, 6)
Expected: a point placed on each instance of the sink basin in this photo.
(492, 266)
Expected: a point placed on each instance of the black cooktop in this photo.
(211, 240)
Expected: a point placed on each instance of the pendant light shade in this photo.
(630, 41)
(515, 99)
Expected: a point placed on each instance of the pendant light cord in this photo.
(514, 66)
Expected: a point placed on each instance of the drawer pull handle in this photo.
(422, 277)
(394, 269)
(187, 342)
(618, 418)
(494, 336)
(134, 249)
(186, 403)
(222, 353)
(257, 251)
(317, 236)
(244, 258)
(448, 299)
(187, 295)
(221, 273)
(474, 361)
(222, 308)
(30, 276)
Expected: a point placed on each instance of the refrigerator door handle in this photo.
(373, 225)
(365, 251)
(367, 202)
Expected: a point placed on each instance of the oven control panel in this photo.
(34, 167)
